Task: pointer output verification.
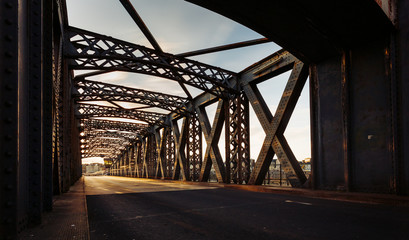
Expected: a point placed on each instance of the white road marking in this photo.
(303, 203)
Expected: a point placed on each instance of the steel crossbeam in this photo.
(97, 124)
(97, 91)
(274, 127)
(212, 136)
(90, 110)
(107, 134)
(90, 50)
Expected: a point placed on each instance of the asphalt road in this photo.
(127, 208)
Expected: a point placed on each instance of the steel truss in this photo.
(184, 159)
(90, 50)
(92, 111)
(96, 124)
(98, 91)
(274, 127)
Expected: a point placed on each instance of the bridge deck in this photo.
(129, 208)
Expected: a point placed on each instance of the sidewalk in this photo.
(68, 220)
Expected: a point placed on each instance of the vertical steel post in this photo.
(35, 119)
(9, 75)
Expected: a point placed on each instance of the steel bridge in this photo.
(355, 53)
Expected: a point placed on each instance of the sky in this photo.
(178, 27)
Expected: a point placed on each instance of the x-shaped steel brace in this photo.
(180, 165)
(160, 148)
(138, 158)
(212, 136)
(274, 127)
(145, 170)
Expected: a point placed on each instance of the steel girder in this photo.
(97, 124)
(97, 91)
(90, 50)
(90, 111)
(107, 134)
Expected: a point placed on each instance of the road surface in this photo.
(129, 208)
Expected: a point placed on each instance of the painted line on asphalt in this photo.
(303, 203)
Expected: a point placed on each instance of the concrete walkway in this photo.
(68, 220)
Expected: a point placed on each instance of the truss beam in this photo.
(90, 50)
(90, 111)
(99, 91)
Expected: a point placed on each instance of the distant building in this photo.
(93, 169)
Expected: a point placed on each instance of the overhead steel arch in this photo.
(98, 91)
(97, 124)
(89, 50)
(90, 111)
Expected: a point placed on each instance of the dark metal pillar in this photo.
(9, 86)
(238, 140)
(35, 119)
(354, 120)
(194, 148)
(401, 51)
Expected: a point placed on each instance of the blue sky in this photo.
(178, 27)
